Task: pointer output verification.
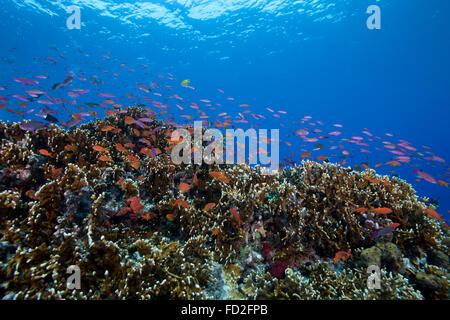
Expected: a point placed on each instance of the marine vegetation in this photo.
(106, 197)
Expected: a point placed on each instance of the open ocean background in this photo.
(308, 58)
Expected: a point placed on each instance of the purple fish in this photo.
(140, 124)
(25, 81)
(145, 120)
(156, 129)
(70, 123)
(382, 232)
(20, 97)
(45, 111)
(32, 125)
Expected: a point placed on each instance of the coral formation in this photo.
(110, 202)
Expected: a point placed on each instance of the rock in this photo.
(429, 284)
(391, 257)
(438, 258)
(371, 256)
(384, 255)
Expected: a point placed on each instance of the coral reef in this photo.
(107, 198)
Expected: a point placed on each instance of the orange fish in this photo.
(45, 153)
(146, 151)
(374, 181)
(77, 116)
(341, 256)
(104, 158)
(135, 164)
(219, 176)
(442, 183)
(107, 128)
(183, 187)
(321, 158)
(132, 158)
(209, 206)
(56, 172)
(98, 148)
(305, 154)
(433, 214)
(215, 231)
(69, 147)
(181, 202)
(393, 225)
(394, 163)
(236, 215)
(129, 120)
(120, 148)
(382, 210)
(141, 178)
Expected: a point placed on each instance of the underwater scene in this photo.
(224, 150)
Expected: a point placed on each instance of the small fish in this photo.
(382, 232)
(305, 154)
(107, 128)
(393, 225)
(183, 187)
(432, 213)
(99, 148)
(209, 206)
(382, 210)
(341, 256)
(104, 158)
(425, 176)
(120, 148)
(181, 202)
(45, 153)
(236, 216)
(219, 176)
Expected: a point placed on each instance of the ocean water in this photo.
(307, 58)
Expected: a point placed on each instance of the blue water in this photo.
(313, 58)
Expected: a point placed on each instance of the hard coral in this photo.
(134, 234)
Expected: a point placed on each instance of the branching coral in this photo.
(109, 201)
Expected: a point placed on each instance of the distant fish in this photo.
(382, 232)
(425, 176)
(32, 125)
(70, 123)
